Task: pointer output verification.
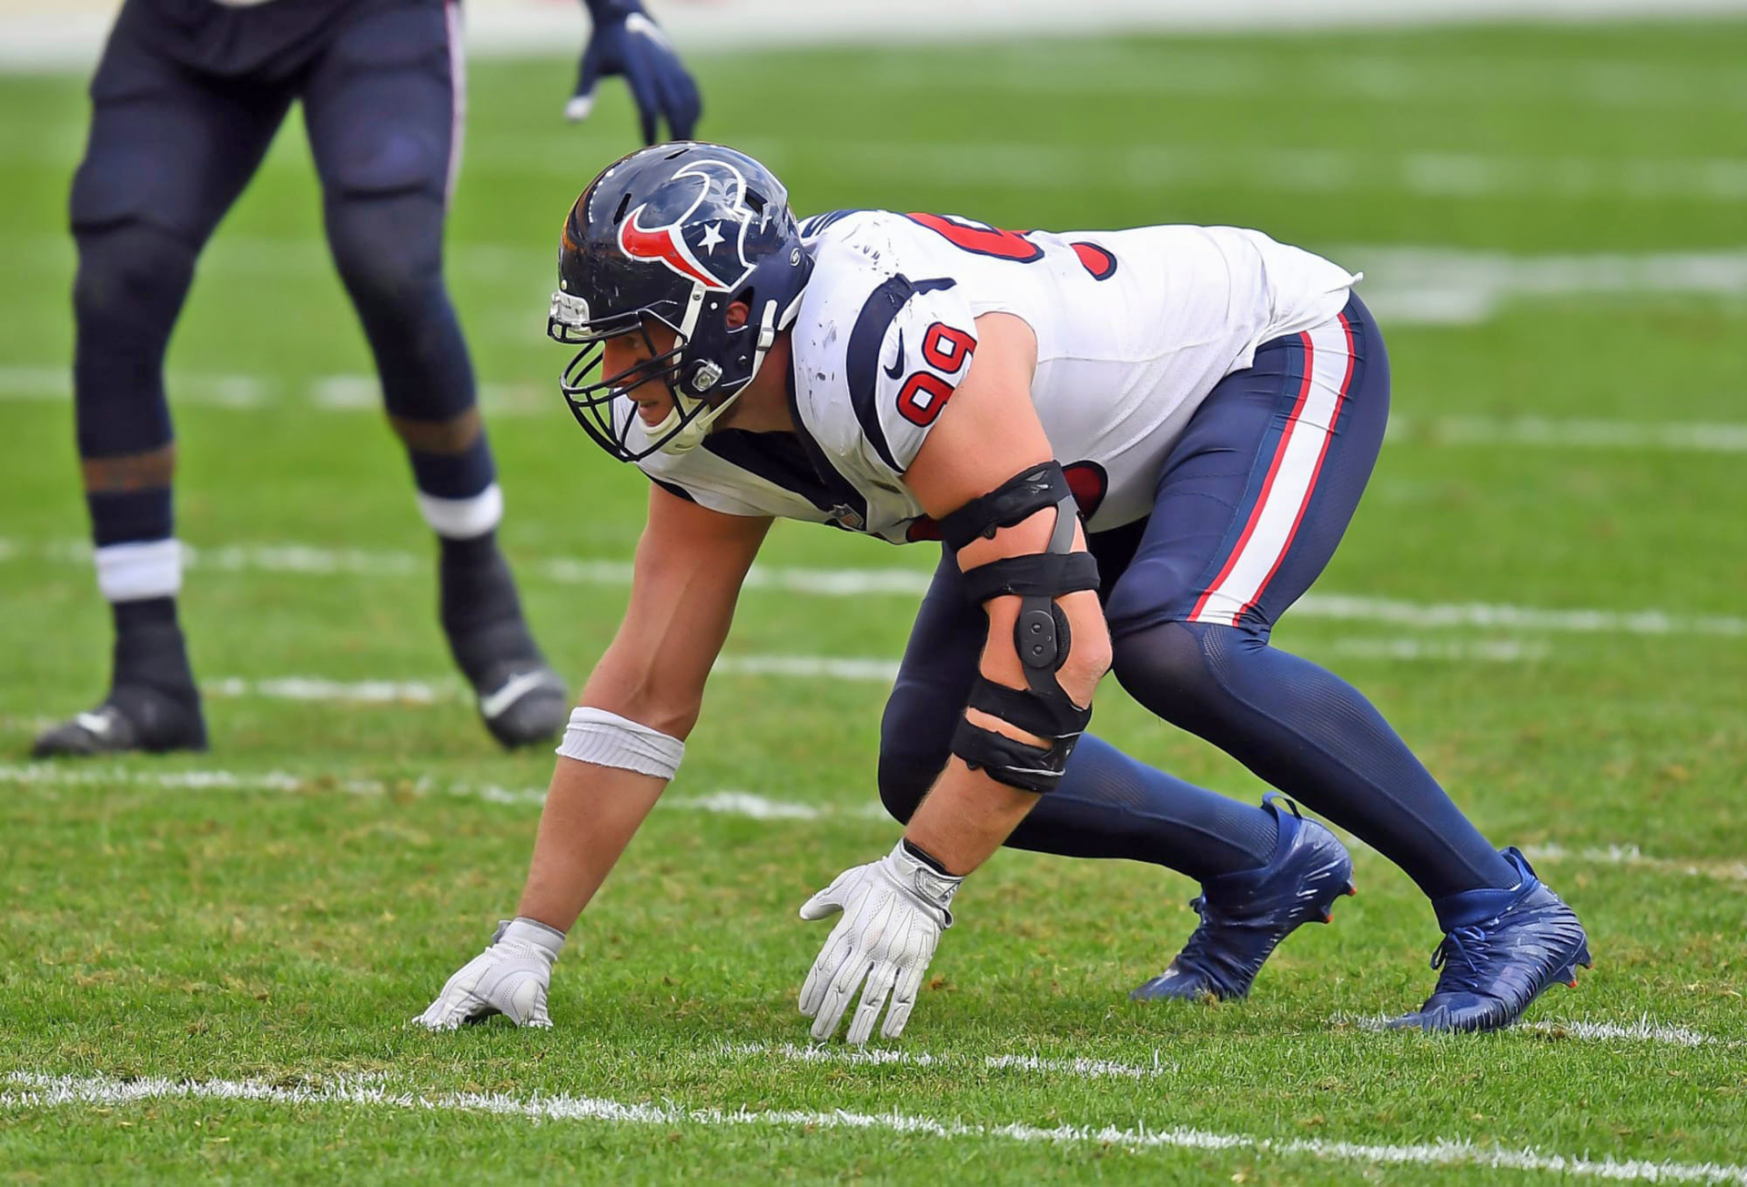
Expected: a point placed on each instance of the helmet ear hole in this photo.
(704, 376)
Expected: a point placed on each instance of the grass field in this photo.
(206, 964)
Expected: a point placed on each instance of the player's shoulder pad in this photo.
(879, 350)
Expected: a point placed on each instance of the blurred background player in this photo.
(186, 98)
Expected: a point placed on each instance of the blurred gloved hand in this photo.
(625, 41)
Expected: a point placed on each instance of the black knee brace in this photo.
(1040, 634)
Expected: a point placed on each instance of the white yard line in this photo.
(316, 688)
(853, 670)
(1085, 1069)
(1107, 68)
(872, 671)
(1404, 283)
(858, 583)
(1494, 616)
(1540, 432)
(1723, 869)
(749, 805)
(1150, 169)
(450, 689)
(759, 807)
(1142, 168)
(1494, 651)
(360, 393)
(1446, 286)
(36, 1092)
(1641, 1031)
(326, 393)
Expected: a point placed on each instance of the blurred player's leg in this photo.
(169, 151)
(1227, 550)
(383, 107)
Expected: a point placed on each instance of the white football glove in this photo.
(510, 978)
(893, 913)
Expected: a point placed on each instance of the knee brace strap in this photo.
(1014, 501)
(1040, 633)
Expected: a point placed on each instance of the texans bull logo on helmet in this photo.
(710, 253)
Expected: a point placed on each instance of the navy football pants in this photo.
(1250, 506)
(172, 144)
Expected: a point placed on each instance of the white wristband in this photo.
(522, 930)
(609, 740)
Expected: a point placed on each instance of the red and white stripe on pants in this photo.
(1291, 477)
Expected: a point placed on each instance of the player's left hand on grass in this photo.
(894, 910)
(625, 41)
(508, 978)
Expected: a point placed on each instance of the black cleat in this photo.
(526, 705)
(522, 700)
(132, 718)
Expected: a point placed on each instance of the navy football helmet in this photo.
(675, 233)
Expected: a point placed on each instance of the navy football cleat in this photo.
(1522, 940)
(131, 718)
(1245, 915)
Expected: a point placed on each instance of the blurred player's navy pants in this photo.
(1251, 504)
(186, 99)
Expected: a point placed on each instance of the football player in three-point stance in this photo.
(186, 99)
(1137, 449)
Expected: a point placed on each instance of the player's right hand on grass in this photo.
(894, 910)
(508, 978)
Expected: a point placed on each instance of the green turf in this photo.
(285, 935)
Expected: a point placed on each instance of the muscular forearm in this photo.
(590, 816)
(966, 817)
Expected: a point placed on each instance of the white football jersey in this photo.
(1134, 328)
